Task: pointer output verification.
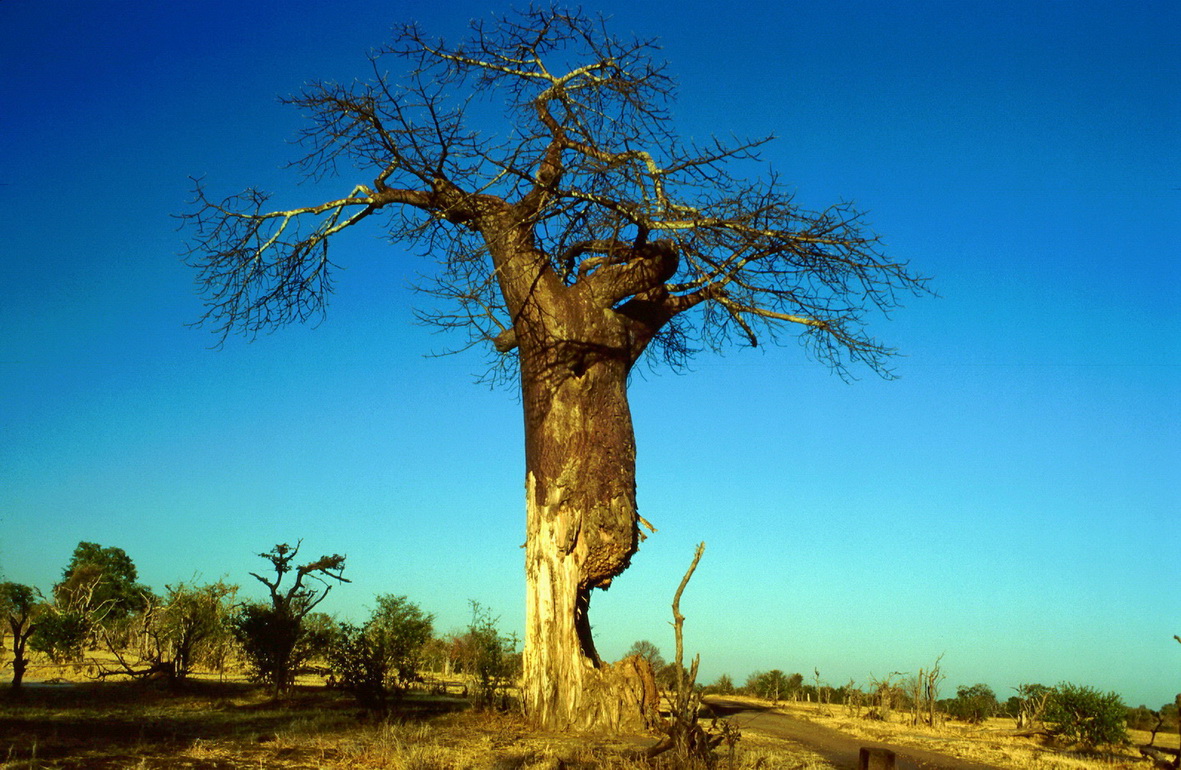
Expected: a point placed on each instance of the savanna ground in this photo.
(992, 743)
(213, 723)
(68, 720)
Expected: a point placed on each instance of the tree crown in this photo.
(579, 186)
(101, 582)
(18, 599)
(297, 599)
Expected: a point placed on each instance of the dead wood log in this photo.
(1036, 732)
(1166, 759)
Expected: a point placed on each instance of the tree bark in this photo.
(18, 672)
(20, 662)
(581, 521)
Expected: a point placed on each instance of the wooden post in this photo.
(875, 759)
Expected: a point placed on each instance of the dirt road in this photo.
(838, 748)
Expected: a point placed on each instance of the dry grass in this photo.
(225, 722)
(218, 722)
(235, 725)
(992, 743)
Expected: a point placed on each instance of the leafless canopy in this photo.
(299, 598)
(546, 121)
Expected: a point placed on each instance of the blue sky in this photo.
(1011, 501)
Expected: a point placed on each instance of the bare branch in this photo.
(580, 176)
(678, 618)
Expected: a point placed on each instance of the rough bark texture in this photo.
(21, 631)
(581, 517)
(18, 672)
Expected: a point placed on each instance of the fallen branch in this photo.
(1036, 732)
(1161, 757)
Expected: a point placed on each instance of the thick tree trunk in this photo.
(18, 673)
(575, 346)
(19, 662)
(581, 533)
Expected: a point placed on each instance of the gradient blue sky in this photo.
(1010, 502)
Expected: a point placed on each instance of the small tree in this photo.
(723, 685)
(21, 606)
(403, 629)
(931, 681)
(821, 690)
(691, 742)
(381, 657)
(973, 704)
(885, 694)
(358, 661)
(854, 699)
(1171, 716)
(96, 601)
(649, 652)
(438, 655)
(1084, 715)
(274, 637)
(1031, 703)
(914, 689)
(773, 685)
(195, 622)
(489, 658)
(100, 583)
(795, 686)
(60, 635)
(923, 689)
(1143, 718)
(173, 633)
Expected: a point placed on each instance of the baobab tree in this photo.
(574, 234)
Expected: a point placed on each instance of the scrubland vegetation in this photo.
(996, 740)
(106, 672)
(1074, 714)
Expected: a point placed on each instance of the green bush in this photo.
(358, 662)
(100, 583)
(268, 638)
(723, 685)
(401, 628)
(773, 685)
(1142, 718)
(192, 625)
(380, 658)
(61, 636)
(277, 645)
(279, 638)
(489, 658)
(973, 704)
(1084, 715)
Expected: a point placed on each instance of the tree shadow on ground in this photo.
(109, 723)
